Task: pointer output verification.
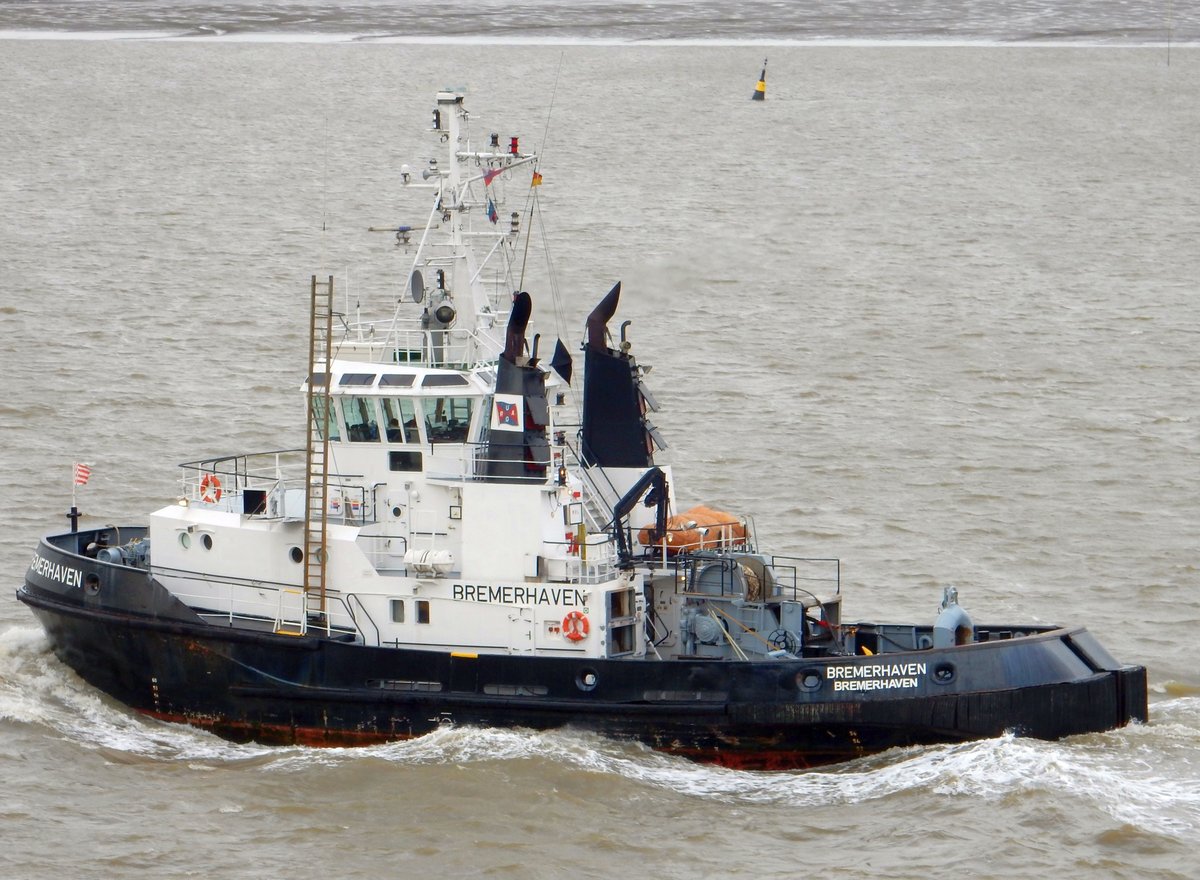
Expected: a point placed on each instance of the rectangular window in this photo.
(405, 460)
(362, 421)
(422, 611)
(442, 380)
(396, 380)
(397, 611)
(447, 419)
(325, 420)
(400, 416)
(357, 379)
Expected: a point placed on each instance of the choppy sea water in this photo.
(929, 310)
(760, 22)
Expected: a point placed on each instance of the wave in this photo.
(37, 690)
(608, 22)
(214, 35)
(1122, 773)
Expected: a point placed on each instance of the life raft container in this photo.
(700, 528)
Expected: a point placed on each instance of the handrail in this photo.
(589, 477)
(275, 471)
(209, 462)
(455, 348)
(261, 610)
(353, 597)
(788, 562)
(785, 571)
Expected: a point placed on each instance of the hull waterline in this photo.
(246, 685)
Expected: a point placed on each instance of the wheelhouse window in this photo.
(325, 420)
(400, 417)
(444, 380)
(396, 380)
(447, 419)
(362, 422)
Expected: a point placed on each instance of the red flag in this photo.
(490, 175)
(82, 474)
(537, 179)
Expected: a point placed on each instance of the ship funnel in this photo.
(614, 428)
(597, 321)
(518, 320)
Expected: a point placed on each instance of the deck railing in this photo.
(272, 485)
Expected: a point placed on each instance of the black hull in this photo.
(776, 714)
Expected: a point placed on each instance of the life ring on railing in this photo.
(572, 544)
(575, 626)
(210, 489)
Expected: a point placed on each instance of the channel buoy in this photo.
(760, 90)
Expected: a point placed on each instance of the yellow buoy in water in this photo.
(760, 90)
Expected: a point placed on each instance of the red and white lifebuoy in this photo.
(575, 626)
(210, 489)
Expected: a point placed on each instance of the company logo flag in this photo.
(508, 413)
(491, 211)
(490, 175)
(82, 474)
(537, 179)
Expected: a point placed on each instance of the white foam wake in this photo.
(1141, 775)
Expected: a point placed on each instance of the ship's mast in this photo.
(453, 118)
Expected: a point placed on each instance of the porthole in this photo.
(809, 679)
(587, 679)
(206, 541)
(296, 554)
(185, 540)
(943, 673)
(91, 584)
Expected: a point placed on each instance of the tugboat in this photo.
(459, 543)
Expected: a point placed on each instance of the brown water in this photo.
(932, 311)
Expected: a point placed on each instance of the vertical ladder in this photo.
(316, 503)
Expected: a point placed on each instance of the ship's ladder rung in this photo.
(317, 477)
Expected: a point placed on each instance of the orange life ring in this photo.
(210, 489)
(575, 626)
